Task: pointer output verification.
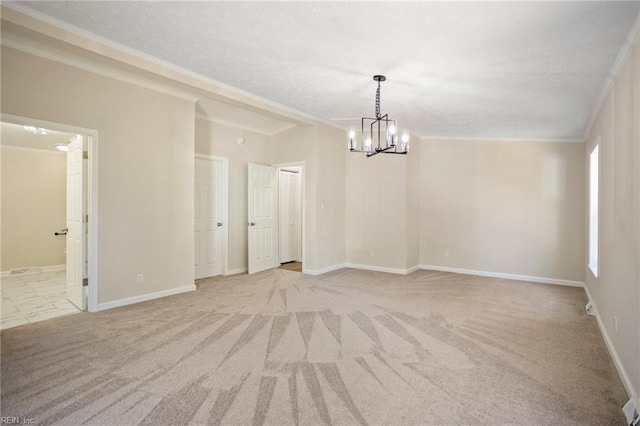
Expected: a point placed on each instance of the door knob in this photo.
(252, 224)
(219, 223)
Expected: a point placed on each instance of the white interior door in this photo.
(284, 246)
(289, 216)
(76, 249)
(262, 217)
(208, 217)
(295, 216)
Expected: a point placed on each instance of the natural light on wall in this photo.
(593, 208)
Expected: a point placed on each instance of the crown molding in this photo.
(59, 30)
(623, 55)
(501, 139)
(241, 126)
(25, 47)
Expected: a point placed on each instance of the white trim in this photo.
(500, 139)
(624, 377)
(323, 270)
(515, 277)
(381, 268)
(594, 267)
(284, 128)
(235, 271)
(92, 193)
(92, 207)
(243, 127)
(146, 297)
(102, 70)
(225, 211)
(622, 57)
(53, 268)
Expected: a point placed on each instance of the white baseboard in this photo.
(35, 270)
(53, 268)
(235, 271)
(323, 270)
(626, 381)
(505, 276)
(382, 268)
(145, 297)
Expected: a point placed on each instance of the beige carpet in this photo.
(347, 348)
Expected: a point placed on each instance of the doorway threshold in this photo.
(291, 266)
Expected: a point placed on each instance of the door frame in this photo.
(303, 203)
(225, 209)
(92, 193)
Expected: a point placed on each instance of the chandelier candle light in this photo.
(376, 129)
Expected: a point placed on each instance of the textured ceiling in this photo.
(532, 70)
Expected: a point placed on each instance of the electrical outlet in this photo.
(447, 255)
(615, 324)
(372, 254)
(140, 278)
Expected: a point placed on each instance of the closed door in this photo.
(208, 217)
(76, 249)
(262, 218)
(289, 207)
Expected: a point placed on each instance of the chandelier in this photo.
(380, 130)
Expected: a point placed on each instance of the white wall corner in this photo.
(413, 269)
(323, 270)
(145, 297)
(622, 372)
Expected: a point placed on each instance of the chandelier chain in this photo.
(378, 101)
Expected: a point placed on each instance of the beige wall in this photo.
(324, 183)
(33, 207)
(413, 204)
(383, 210)
(146, 157)
(329, 179)
(320, 148)
(616, 292)
(219, 139)
(507, 207)
(376, 230)
(298, 144)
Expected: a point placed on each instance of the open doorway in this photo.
(290, 179)
(48, 243)
(271, 226)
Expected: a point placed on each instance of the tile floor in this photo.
(33, 297)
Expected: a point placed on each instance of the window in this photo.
(594, 161)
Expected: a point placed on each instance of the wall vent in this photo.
(23, 271)
(630, 411)
(590, 309)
